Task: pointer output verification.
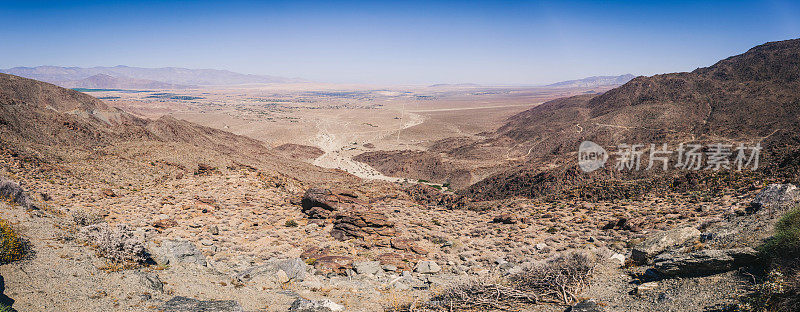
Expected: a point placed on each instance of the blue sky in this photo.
(402, 42)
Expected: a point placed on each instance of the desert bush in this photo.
(117, 243)
(556, 280)
(82, 218)
(12, 192)
(12, 246)
(785, 243)
(776, 293)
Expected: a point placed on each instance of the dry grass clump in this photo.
(556, 280)
(12, 192)
(82, 218)
(12, 247)
(117, 243)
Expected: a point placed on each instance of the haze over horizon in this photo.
(398, 43)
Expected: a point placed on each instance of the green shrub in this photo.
(12, 247)
(785, 243)
(779, 289)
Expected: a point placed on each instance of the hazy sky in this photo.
(394, 42)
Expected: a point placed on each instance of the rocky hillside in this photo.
(750, 97)
(746, 96)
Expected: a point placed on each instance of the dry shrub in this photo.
(12, 246)
(12, 192)
(82, 218)
(556, 280)
(117, 243)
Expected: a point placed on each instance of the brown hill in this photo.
(745, 98)
(47, 124)
(298, 151)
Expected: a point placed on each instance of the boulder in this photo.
(427, 267)
(775, 196)
(704, 262)
(333, 264)
(294, 269)
(172, 252)
(585, 306)
(662, 241)
(152, 281)
(184, 304)
(401, 262)
(319, 203)
(646, 288)
(108, 192)
(506, 218)
(367, 267)
(165, 223)
(618, 258)
(364, 224)
(407, 244)
(305, 305)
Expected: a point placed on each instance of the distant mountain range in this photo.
(103, 81)
(596, 81)
(138, 77)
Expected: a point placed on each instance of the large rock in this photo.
(662, 241)
(704, 262)
(408, 244)
(427, 267)
(364, 224)
(321, 203)
(775, 196)
(585, 306)
(367, 267)
(172, 252)
(184, 304)
(295, 269)
(305, 305)
(333, 264)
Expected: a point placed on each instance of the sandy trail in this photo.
(339, 148)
